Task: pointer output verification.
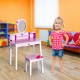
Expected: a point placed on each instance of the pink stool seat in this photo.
(32, 57)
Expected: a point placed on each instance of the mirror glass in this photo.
(21, 26)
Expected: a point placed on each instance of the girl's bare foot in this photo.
(52, 71)
(61, 70)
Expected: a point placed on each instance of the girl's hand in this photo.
(51, 43)
(63, 44)
(50, 40)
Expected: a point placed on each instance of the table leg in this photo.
(40, 49)
(10, 55)
(33, 48)
(16, 59)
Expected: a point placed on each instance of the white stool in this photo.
(34, 58)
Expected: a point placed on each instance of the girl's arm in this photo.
(67, 38)
(50, 37)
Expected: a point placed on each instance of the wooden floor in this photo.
(71, 66)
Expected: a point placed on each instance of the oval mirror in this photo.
(21, 26)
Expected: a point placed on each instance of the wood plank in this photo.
(71, 66)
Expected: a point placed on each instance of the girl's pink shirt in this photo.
(57, 39)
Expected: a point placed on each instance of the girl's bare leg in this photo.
(53, 63)
(61, 64)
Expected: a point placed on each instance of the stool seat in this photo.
(34, 58)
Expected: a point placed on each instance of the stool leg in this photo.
(42, 68)
(38, 65)
(25, 66)
(30, 68)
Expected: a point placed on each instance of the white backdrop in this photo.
(45, 12)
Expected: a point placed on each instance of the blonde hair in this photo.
(59, 18)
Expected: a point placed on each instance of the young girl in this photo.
(55, 39)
